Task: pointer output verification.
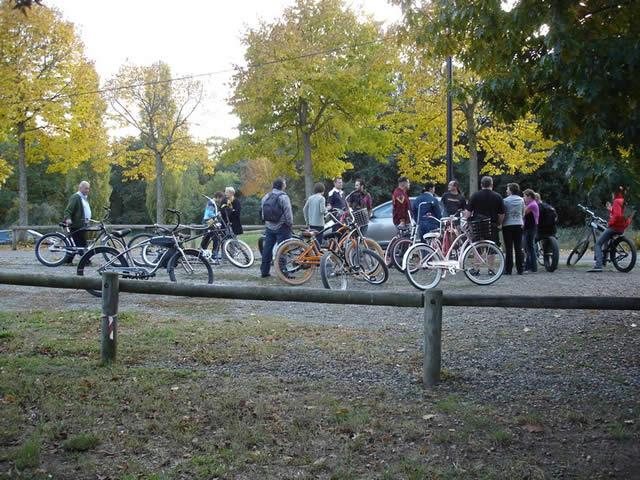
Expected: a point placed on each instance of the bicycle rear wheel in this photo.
(577, 252)
(623, 254)
(419, 267)
(136, 244)
(399, 249)
(373, 269)
(238, 253)
(483, 262)
(192, 267)
(51, 249)
(291, 264)
(98, 260)
(549, 253)
(334, 272)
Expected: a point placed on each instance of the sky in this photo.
(193, 37)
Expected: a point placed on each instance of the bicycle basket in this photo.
(480, 229)
(361, 217)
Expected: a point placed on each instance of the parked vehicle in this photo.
(381, 227)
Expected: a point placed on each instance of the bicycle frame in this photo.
(73, 248)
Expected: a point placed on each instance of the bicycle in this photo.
(619, 249)
(55, 248)
(548, 252)
(180, 262)
(481, 260)
(405, 238)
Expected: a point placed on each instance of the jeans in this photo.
(271, 237)
(512, 236)
(531, 263)
(602, 241)
(424, 228)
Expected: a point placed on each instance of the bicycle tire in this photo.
(238, 253)
(287, 262)
(577, 252)
(95, 261)
(152, 254)
(550, 254)
(196, 269)
(350, 251)
(135, 252)
(623, 254)
(399, 249)
(388, 251)
(51, 249)
(114, 242)
(418, 269)
(373, 269)
(334, 272)
(477, 265)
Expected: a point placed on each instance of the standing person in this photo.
(401, 203)
(76, 214)
(531, 215)
(547, 218)
(210, 212)
(453, 200)
(426, 209)
(617, 224)
(335, 198)
(278, 218)
(231, 209)
(512, 228)
(314, 210)
(359, 199)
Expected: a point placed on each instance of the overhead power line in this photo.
(189, 77)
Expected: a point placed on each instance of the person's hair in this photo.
(428, 186)
(455, 182)
(359, 180)
(486, 181)
(278, 183)
(230, 189)
(336, 179)
(537, 196)
(529, 193)
(514, 188)
(318, 187)
(83, 184)
(218, 195)
(403, 180)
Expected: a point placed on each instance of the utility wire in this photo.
(189, 77)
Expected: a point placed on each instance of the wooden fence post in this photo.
(14, 239)
(432, 337)
(110, 293)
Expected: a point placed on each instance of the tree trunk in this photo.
(159, 188)
(23, 207)
(306, 145)
(472, 145)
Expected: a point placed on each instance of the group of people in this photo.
(229, 208)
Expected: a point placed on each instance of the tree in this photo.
(46, 86)
(418, 121)
(147, 99)
(315, 82)
(574, 65)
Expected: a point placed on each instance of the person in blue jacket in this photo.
(425, 210)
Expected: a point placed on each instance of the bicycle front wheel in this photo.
(399, 249)
(623, 254)
(577, 252)
(483, 262)
(550, 253)
(51, 249)
(238, 253)
(192, 267)
(97, 261)
(334, 272)
(419, 266)
(373, 269)
(292, 263)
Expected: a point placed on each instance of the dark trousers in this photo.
(80, 239)
(215, 245)
(271, 238)
(512, 236)
(531, 262)
(318, 237)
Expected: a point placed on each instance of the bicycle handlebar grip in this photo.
(171, 210)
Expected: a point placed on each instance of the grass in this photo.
(258, 397)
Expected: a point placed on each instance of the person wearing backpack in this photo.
(277, 215)
(547, 218)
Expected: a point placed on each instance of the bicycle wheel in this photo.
(389, 250)
(192, 267)
(115, 243)
(238, 253)
(371, 244)
(372, 267)
(483, 262)
(290, 263)
(98, 260)
(399, 249)
(577, 252)
(623, 254)
(419, 267)
(135, 251)
(51, 249)
(549, 253)
(334, 272)
(152, 254)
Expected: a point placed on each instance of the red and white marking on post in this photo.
(112, 319)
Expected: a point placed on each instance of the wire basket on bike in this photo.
(361, 217)
(480, 229)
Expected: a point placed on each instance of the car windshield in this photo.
(383, 211)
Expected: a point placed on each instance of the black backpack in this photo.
(271, 208)
(547, 219)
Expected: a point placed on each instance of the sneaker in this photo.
(206, 254)
(265, 275)
(492, 272)
(474, 271)
(595, 269)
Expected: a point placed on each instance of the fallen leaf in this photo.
(532, 428)
(593, 312)
(431, 416)
(629, 422)
(175, 388)
(527, 329)
(400, 350)
(423, 450)
(319, 462)
(342, 411)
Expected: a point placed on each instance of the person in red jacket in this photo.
(616, 225)
(401, 203)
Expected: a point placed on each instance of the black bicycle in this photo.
(619, 249)
(548, 252)
(184, 264)
(55, 248)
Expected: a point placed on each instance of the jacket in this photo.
(617, 220)
(75, 211)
